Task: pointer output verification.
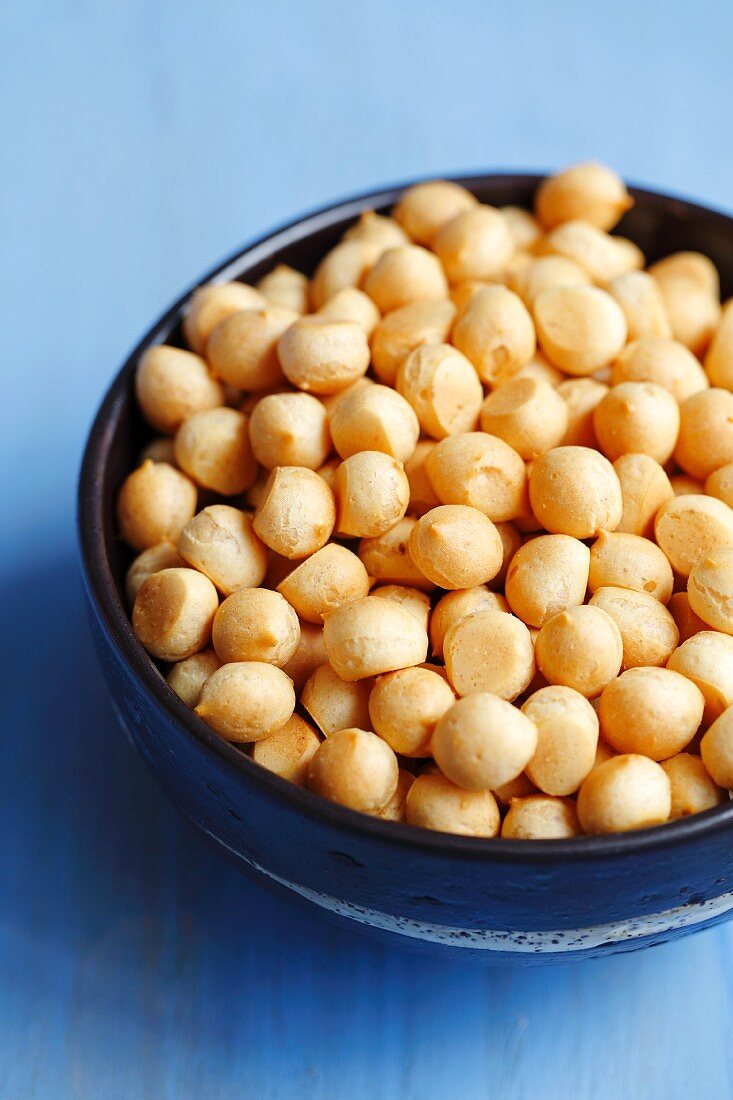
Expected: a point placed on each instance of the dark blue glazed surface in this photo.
(600, 895)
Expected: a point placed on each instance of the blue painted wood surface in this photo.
(143, 141)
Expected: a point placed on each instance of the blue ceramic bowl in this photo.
(495, 899)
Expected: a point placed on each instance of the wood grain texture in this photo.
(144, 141)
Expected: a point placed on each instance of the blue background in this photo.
(143, 141)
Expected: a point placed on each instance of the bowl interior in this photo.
(658, 224)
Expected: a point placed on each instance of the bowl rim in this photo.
(108, 605)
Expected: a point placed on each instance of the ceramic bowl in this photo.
(497, 900)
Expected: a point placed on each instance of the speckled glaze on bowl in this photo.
(495, 900)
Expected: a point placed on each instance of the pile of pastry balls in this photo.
(444, 532)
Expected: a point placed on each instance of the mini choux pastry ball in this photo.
(545, 576)
(716, 749)
(433, 802)
(426, 207)
(286, 287)
(372, 494)
(645, 487)
(690, 290)
(706, 432)
(382, 230)
(638, 294)
(489, 651)
(710, 589)
(456, 547)
(481, 471)
(211, 304)
(720, 484)
(163, 555)
(649, 633)
(475, 244)
(213, 447)
(629, 561)
(187, 677)
(375, 418)
(290, 429)
(496, 333)
(404, 707)
(455, 606)
(652, 711)
(156, 502)
(171, 385)
(719, 357)
(246, 701)
(580, 648)
(334, 704)
(331, 577)
(707, 660)
(580, 329)
(541, 817)
(220, 542)
(575, 491)
(567, 739)
(297, 512)
(483, 742)
(254, 624)
(691, 786)
(407, 273)
(352, 304)
(692, 267)
(587, 191)
(638, 418)
(371, 636)
(690, 526)
(174, 612)
(356, 768)
(528, 414)
(242, 349)
(626, 792)
(289, 750)
(443, 388)
(323, 356)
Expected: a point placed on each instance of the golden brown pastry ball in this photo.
(171, 385)
(575, 491)
(652, 711)
(356, 768)
(370, 636)
(156, 502)
(626, 792)
(426, 207)
(482, 741)
(456, 547)
(589, 191)
(580, 648)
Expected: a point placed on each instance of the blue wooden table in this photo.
(143, 141)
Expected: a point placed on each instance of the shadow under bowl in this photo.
(495, 900)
